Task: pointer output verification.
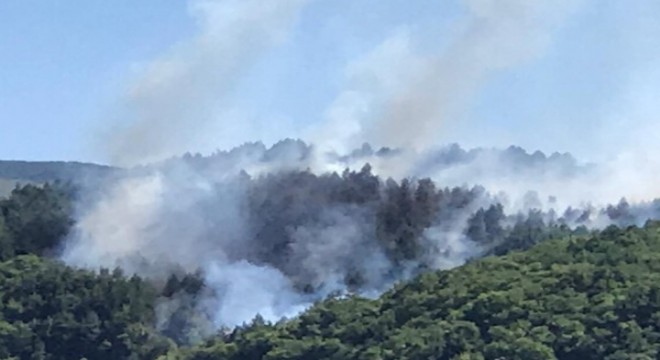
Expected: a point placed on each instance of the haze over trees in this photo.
(367, 240)
(578, 293)
(580, 297)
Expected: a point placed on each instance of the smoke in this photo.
(180, 97)
(495, 36)
(160, 221)
(173, 219)
(113, 225)
(150, 216)
(246, 290)
(340, 243)
(273, 242)
(270, 237)
(402, 98)
(631, 128)
(369, 82)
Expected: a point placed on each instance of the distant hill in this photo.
(40, 171)
(294, 153)
(12, 172)
(451, 164)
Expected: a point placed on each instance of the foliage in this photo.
(592, 297)
(34, 219)
(50, 311)
(557, 293)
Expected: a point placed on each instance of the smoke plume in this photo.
(271, 230)
(178, 96)
(398, 97)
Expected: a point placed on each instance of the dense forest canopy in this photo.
(580, 297)
(584, 296)
(247, 250)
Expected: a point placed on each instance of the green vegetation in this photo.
(578, 295)
(595, 297)
(34, 219)
(50, 311)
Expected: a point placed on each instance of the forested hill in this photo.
(290, 153)
(581, 296)
(289, 237)
(42, 171)
(455, 164)
(593, 297)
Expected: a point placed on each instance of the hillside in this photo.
(592, 296)
(36, 172)
(330, 180)
(191, 252)
(296, 154)
(41, 171)
(596, 297)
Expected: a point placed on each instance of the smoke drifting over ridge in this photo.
(274, 242)
(270, 237)
(495, 36)
(397, 96)
(171, 105)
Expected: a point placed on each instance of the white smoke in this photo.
(180, 97)
(340, 243)
(176, 219)
(113, 228)
(494, 36)
(398, 97)
(245, 290)
(173, 216)
(157, 222)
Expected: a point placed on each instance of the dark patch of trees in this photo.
(34, 219)
(50, 311)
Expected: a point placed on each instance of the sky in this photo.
(67, 69)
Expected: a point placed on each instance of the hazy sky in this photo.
(66, 67)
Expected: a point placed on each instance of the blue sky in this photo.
(65, 67)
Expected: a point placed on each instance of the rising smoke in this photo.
(178, 97)
(398, 97)
(272, 230)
